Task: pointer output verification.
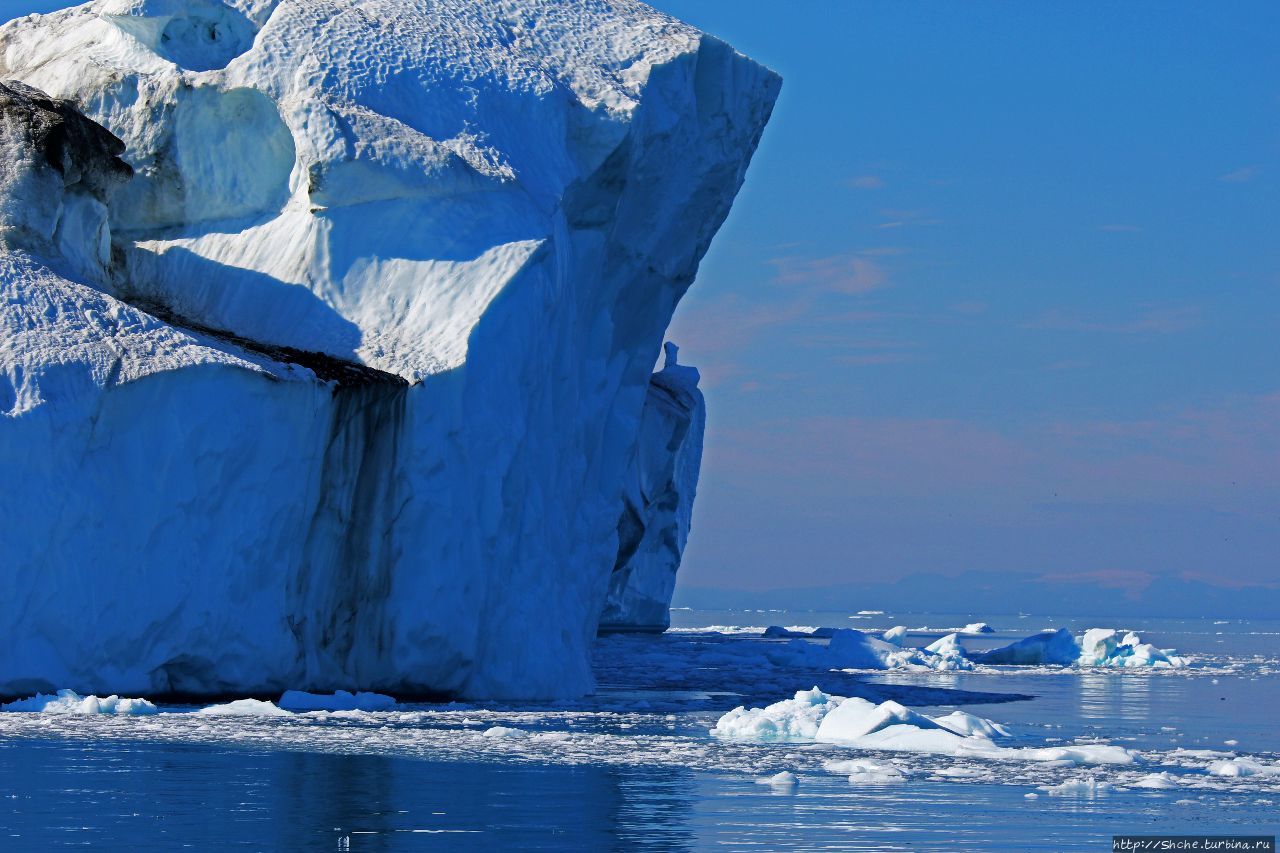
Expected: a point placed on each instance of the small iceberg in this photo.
(244, 708)
(1096, 647)
(814, 716)
(341, 700)
(70, 702)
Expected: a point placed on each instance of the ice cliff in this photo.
(328, 366)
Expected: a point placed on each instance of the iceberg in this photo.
(328, 332)
(657, 509)
(1046, 647)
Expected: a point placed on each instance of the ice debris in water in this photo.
(814, 716)
(1081, 786)
(70, 702)
(341, 700)
(977, 628)
(863, 771)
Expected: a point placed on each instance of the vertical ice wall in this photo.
(494, 207)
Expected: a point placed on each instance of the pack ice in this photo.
(327, 364)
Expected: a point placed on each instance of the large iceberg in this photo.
(344, 388)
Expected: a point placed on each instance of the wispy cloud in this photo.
(850, 274)
(867, 182)
(1242, 175)
(1155, 320)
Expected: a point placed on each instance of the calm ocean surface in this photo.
(635, 768)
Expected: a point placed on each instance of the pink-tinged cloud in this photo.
(849, 274)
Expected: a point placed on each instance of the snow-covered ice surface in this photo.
(346, 337)
(1103, 749)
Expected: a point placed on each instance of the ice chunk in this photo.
(794, 719)
(503, 732)
(341, 700)
(895, 635)
(1156, 781)
(977, 628)
(1047, 647)
(70, 702)
(1243, 766)
(785, 779)
(244, 708)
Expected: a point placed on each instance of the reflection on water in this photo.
(150, 796)
(1109, 696)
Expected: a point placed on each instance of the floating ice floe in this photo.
(1156, 781)
(70, 702)
(977, 628)
(1081, 786)
(244, 708)
(297, 700)
(821, 718)
(1243, 767)
(862, 771)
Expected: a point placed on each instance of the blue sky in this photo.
(1002, 292)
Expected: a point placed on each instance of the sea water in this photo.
(634, 766)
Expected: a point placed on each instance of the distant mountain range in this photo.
(1121, 594)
